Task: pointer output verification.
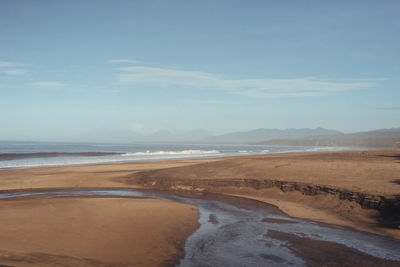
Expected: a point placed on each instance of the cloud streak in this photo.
(11, 68)
(123, 61)
(390, 108)
(260, 88)
(48, 84)
(7, 64)
(12, 71)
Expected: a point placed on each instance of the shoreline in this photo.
(344, 188)
(120, 162)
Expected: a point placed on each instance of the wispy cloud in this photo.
(129, 61)
(261, 88)
(390, 108)
(48, 84)
(12, 71)
(7, 64)
(11, 68)
(206, 102)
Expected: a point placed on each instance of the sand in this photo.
(375, 172)
(92, 176)
(94, 231)
(315, 252)
(340, 188)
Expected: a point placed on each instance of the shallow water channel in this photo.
(236, 235)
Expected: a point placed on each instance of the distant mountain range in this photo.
(262, 134)
(290, 137)
(375, 139)
(245, 137)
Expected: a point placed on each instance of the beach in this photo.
(352, 189)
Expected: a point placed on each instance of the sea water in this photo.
(14, 155)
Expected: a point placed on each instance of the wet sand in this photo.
(94, 231)
(315, 252)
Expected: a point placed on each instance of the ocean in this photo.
(17, 155)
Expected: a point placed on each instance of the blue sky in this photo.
(70, 68)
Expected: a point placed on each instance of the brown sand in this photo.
(103, 175)
(342, 188)
(93, 231)
(375, 172)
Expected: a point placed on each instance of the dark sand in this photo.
(315, 252)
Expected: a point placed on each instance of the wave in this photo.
(12, 160)
(14, 156)
(119, 158)
(182, 152)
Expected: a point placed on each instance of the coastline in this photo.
(344, 189)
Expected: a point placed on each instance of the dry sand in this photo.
(93, 231)
(92, 176)
(375, 172)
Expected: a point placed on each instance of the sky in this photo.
(73, 69)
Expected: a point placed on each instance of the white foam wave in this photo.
(127, 157)
(182, 152)
(147, 156)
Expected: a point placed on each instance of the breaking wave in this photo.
(14, 156)
(160, 153)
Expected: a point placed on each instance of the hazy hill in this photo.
(378, 138)
(262, 134)
(292, 137)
